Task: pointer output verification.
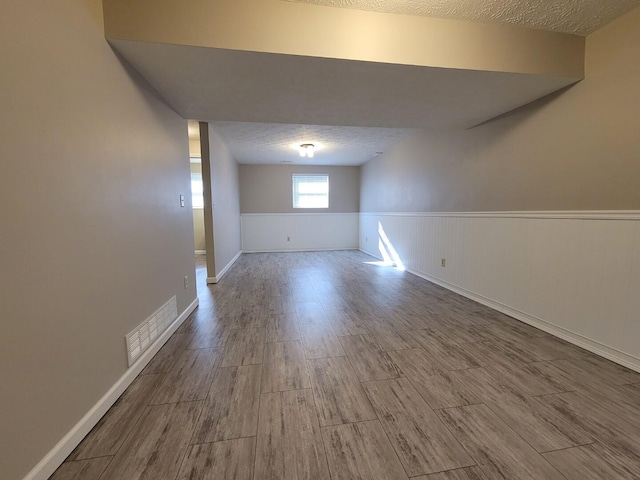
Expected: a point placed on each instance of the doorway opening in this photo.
(201, 201)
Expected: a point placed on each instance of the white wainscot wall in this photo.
(268, 232)
(573, 274)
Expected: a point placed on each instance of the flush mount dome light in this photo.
(306, 150)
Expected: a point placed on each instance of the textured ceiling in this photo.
(228, 85)
(276, 143)
(580, 17)
(262, 104)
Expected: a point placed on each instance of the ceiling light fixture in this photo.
(306, 150)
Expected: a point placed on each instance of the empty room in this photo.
(320, 239)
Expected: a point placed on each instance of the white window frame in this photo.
(296, 195)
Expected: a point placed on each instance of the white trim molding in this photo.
(301, 250)
(200, 252)
(557, 214)
(219, 276)
(571, 337)
(300, 214)
(45, 468)
(575, 275)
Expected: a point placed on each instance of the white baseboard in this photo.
(593, 346)
(571, 337)
(557, 214)
(219, 276)
(45, 468)
(368, 253)
(229, 265)
(301, 250)
(200, 252)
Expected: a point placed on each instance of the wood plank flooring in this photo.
(319, 365)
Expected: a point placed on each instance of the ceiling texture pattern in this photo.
(277, 143)
(358, 108)
(579, 17)
(353, 77)
(225, 85)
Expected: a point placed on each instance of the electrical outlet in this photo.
(443, 262)
(186, 281)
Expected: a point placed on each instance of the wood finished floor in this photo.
(323, 366)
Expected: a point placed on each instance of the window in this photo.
(197, 196)
(310, 191)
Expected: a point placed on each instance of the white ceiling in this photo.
(232, 85)
(277, 143)
(209, 84)
(580, 17)
(263, 104)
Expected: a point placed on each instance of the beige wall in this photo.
(93, 237)
(577, 150)
(198, 213)
(198, 229)
(194, 148)
(226, 202)
(267, 188)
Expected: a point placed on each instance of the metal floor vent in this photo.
(146, 333)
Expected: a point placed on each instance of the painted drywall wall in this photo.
(205, 163)
(93, 236)
(575, 274)
(225, 199)
(198, 230)
(577, 150)
(198, 214)
(267, 188)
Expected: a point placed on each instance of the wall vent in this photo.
(146, 333)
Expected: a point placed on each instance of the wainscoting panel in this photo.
(279, 232)
(573, 274)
